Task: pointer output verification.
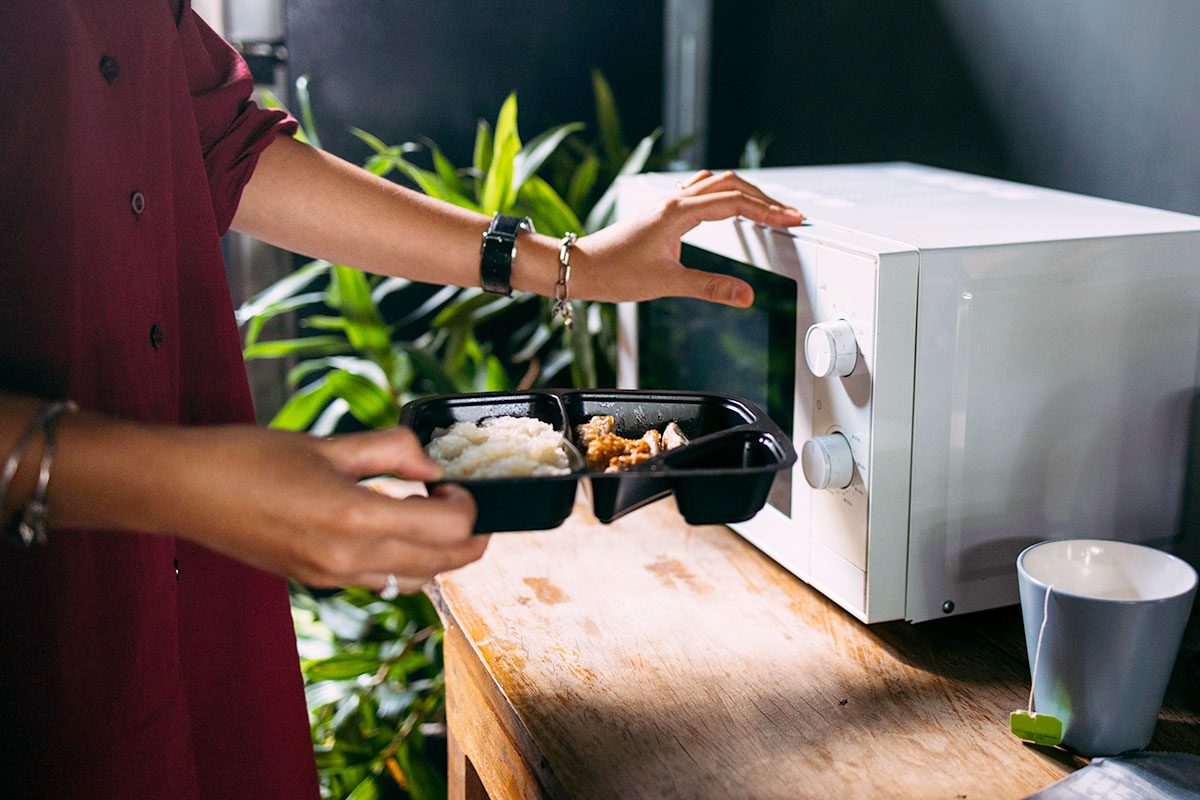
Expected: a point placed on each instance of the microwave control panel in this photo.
(839, 351)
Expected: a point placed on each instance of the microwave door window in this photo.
(750, 352)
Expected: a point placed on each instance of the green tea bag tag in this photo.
(1037, 728)
(1028, 724)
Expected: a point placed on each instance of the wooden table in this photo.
(650, 659)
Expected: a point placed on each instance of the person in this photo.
(146, 646)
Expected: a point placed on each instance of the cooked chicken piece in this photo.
(637, 451)
(673, 437)
(606, 447)
(594, 428)
(613, 453)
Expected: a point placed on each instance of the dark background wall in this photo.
(1094, 96)
(838, 81)
(402, 69)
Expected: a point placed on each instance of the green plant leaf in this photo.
(327, 422)
(541, 335)
(367, 790)
(582, 182)
(379, 165)
(555, 363)
(293, 303)
(303, 407)
(431, 184)
(343, 618)
(602, 213)
(359, 366)
(424, 782)
(268, 99)
(435, 302)
(460, 311)
(445, 170)
(579, 338)
(607, 118)
(281, 289)
(387, 286)
(304, 99)
(350, 294)
(323, 322)
(402, 373)
(370, 403)
(550, 214)
(303, 347)
(372, 141)
(670, 153)
(322, 693)
(482, 157)
(496, 377)
(430, 368)
(533, 155)
(497, 183)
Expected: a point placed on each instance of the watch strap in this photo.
(498, 251)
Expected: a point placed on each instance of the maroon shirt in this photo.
(133, 666)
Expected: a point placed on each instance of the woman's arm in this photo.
(310, 202)
(285, 502)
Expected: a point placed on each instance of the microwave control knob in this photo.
(830, 349)
(827, 462)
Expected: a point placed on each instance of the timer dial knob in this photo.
(827, 462)
(830, 348)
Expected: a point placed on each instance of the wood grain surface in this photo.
(650, 659)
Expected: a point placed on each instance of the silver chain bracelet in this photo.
(31, 529)
(562, 289)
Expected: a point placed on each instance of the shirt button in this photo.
(109, 68)
(137, 201)
(156, 335)
(177, 569)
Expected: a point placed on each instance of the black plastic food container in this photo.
(722, 475)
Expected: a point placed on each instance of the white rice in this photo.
(499, 447)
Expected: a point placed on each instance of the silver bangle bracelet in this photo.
(31, 529)
(18, 451)
(562, 289)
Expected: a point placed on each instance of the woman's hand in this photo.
(288, 503)
(639, 259)
(291, 504)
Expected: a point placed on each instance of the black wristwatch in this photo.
(498, 251)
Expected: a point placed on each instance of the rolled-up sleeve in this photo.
(233, 129)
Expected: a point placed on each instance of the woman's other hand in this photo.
(285, 502)
(292, 504)
(638, 259)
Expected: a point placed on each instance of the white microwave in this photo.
(966, 365)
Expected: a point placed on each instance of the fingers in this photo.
(391, 451)
(688, 212)
(706, 182)
(713, 288)
(696, 178)
(413, 538)
(444, 519)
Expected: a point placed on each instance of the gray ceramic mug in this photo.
(1116, 617)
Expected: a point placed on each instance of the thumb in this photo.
(396, 450)
(714, 288)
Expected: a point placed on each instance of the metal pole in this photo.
(687, 54)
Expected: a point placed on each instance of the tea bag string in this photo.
(1037, 653)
